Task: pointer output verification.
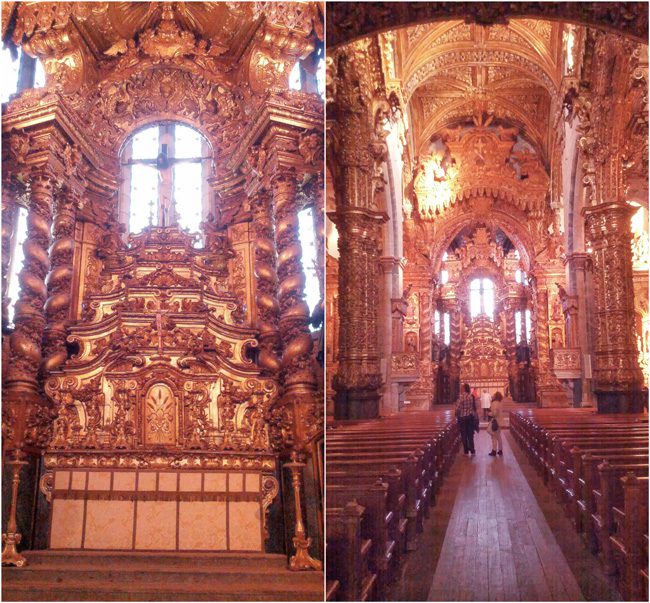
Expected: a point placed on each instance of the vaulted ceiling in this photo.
(451, 71)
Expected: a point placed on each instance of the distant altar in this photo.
(483, 362)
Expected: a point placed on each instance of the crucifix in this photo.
(163, 211)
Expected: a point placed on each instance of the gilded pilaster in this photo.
(549, 391)
(358, 141)
(359, 378)
(617, 376)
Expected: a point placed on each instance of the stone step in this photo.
(259, 561)
(129, 576)
(145, 573)
(71, 591)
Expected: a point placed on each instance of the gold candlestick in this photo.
(302, 560)
(11, 539)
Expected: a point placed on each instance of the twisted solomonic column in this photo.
(21, 392)
(297, 371)
(59, 280)
(266, 295)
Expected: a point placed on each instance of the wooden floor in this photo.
(498, 546)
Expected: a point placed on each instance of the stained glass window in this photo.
(9, 67)
(295, 81)
(528, 325)
(447, 327)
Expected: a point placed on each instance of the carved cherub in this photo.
(310, 147)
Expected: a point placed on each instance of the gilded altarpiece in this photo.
(162, 400)
(170, 392)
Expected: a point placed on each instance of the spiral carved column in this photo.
(617, 377)
(297, 370)
(267, 282)
(455, 318)
(21, 393)
(57, 306)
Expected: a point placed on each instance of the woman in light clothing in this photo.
(495, 434)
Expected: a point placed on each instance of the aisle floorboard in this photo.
(498, 545)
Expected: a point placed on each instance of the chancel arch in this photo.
(161, 330)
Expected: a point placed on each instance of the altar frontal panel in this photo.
(149, 510)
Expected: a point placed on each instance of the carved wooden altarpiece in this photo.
(483, 363)
(161, 407)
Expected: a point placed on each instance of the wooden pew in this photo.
(378, 525)
(348, 552)
(597, 465)
(393, 467)
(395, 499)
(626, 541)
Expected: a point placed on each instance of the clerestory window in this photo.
(165, 171)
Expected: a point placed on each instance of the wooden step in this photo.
(129, 576)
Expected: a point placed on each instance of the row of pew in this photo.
(597, 467)
(382, 477)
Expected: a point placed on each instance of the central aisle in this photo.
(498, 545)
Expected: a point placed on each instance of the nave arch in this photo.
(451, 87)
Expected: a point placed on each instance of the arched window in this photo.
(481, 297)
(19, 71)
(16, 262)
(309, 75)
(446, 326)
(523, 335)
(307, 236)
(165, 171)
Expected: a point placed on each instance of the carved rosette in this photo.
(57, 306)
(267, 282)
(21, 387)
(616, 365)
